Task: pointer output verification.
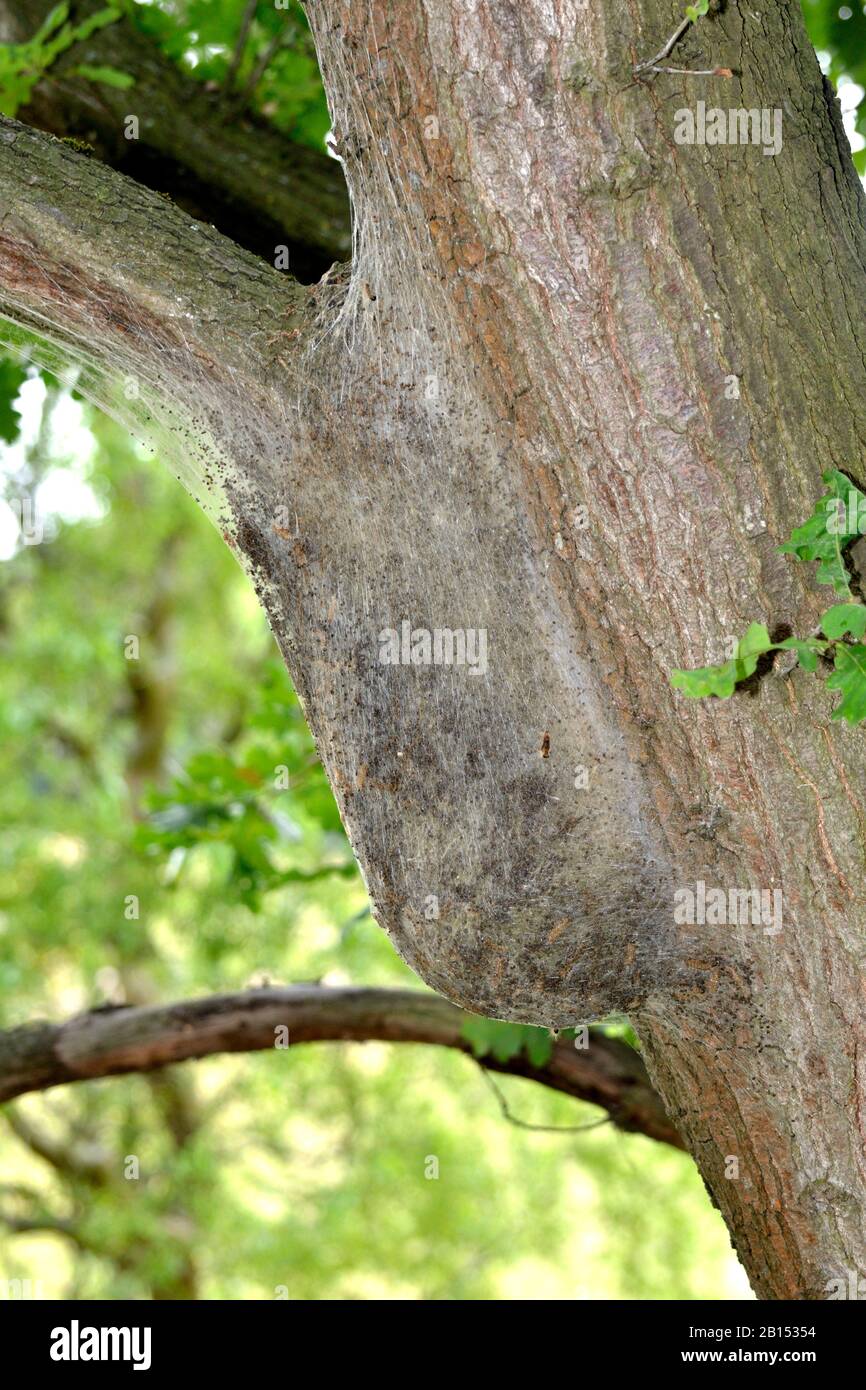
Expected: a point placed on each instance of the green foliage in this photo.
(835, 522)
(720, 680)
(23, 65)
(110, 77)
(201, 37)
(230, 800)
(826, 534)
(844, 618)
(12, 378)
(696, 11)
(849, 677)
(490, 1037)
(839, 35)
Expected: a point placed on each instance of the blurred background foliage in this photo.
(276, 70)
(839, 35)
(167, 832)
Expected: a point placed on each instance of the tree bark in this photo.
(114, 1041)
(221, 165)
(548, 299)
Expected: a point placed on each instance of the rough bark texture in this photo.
(220, 164)
(110, 1042)
(547, 298)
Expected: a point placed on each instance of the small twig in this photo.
(693, 72)
(663, 52)
(261, 67)
(525, 1124)
(237, 56)
(655, 64)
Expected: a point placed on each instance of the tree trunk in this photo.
(549, 301)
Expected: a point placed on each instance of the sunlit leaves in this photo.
(22, 65)
(694, 12)
(720, 681)
(504, 1041)
(837, 520)
(845, 618)
(834, 523)
(249, 803)
(12, 378)
(278, 75)
(849, 678)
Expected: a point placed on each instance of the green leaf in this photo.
(477, 1033)
(15, 89)
(720, 681)
(52, 21)
(539, 1046)
(753, 645)
(843, 618)
(23, 65)
(827, 532)
(706, 681)
(507, 1040)
(100, 20)
(849, 677)
(694, 12)
(807, 649)
(111, 77)
(12, 378)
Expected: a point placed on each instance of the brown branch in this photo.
(69, 1160)
(666, 48)
(124, 286)
(31, 1225)
(260, 188)
(655, 64)
(263, 62)
(247, 18)
(109, 1042)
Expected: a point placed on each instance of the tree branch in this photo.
(110, 1042)
(255, 185)
(240, 44)
(89, 249)
(69, 1160)
(263, 62)
(32, 1225)
(168, 321)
